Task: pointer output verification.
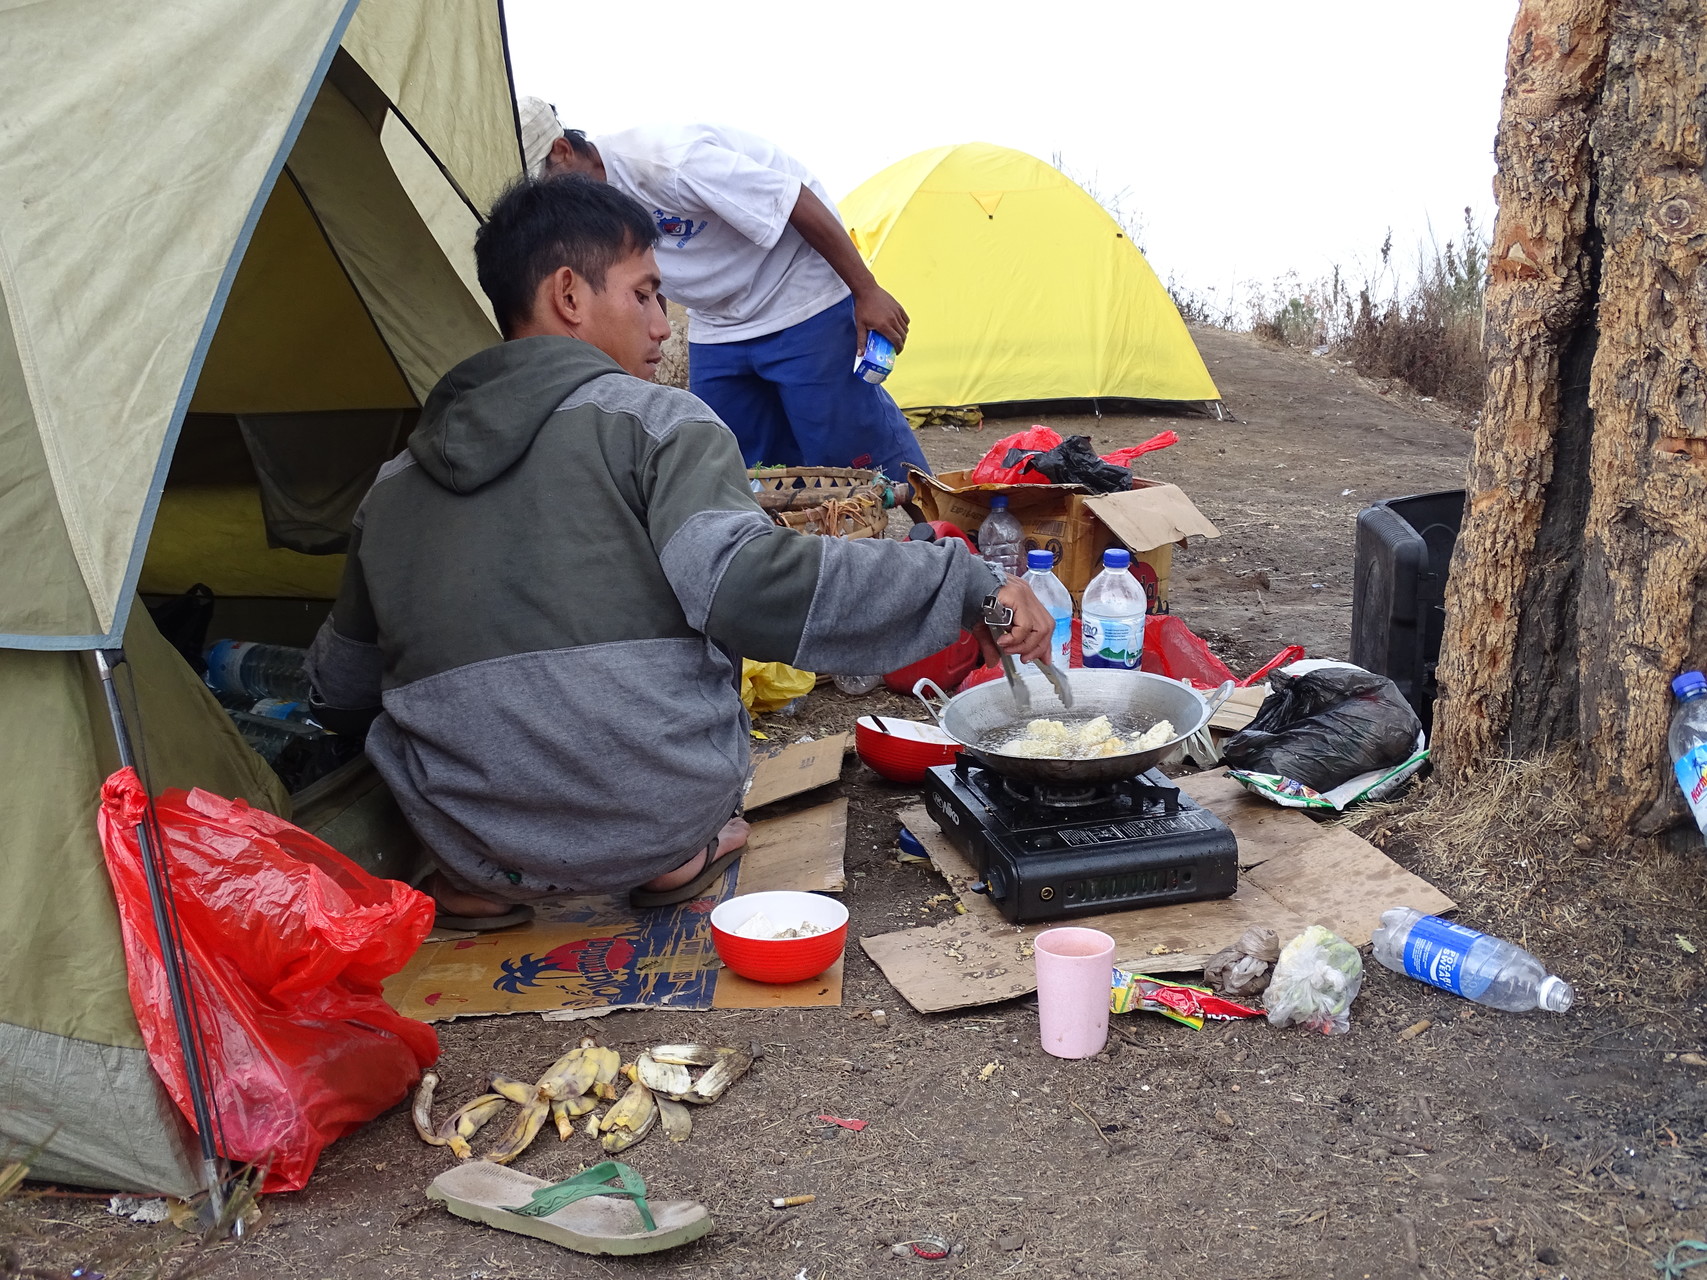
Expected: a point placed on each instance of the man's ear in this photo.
(559, 305)
(560, 159)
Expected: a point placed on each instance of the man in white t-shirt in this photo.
(779, 301)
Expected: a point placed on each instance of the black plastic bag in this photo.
(1073, 461)
(1326, 727)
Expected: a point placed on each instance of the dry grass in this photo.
(1510, 845)
(1420, 328)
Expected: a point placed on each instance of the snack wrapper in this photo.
(1191, 1005)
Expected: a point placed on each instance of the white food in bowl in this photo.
(779, 911)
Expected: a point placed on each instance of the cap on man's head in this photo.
(540, 128)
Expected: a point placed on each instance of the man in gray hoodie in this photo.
(546, 593)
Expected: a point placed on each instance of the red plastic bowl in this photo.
(780, 959)
(898, 757)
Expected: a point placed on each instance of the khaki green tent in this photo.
(234, 257)
(1020, 286)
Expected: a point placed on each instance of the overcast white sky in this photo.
(1251, 138)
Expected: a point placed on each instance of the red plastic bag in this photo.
(1172, 649)
(1009, 459)
(287, 943)
(1127, 456)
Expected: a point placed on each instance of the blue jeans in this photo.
(792, 399)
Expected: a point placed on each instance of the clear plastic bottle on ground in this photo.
(1040, 577)
(258, 670)
(1490, 971)
(1111, 615)
(1001, 538)
(857, 686)
(1688, 742)
(284, 709)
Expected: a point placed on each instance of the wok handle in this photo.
(1215, 701)
(935, 708)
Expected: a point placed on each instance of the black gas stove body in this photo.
(1051, 855)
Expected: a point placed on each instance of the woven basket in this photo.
(836, 501)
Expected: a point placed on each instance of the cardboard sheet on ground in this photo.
(583, 957)
(1293, 873)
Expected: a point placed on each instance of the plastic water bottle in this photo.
(877, 361)
(1001, 538)
(856, 686)
(243, 668)
(271, 737)
(1490, 971)
(1688, 742)
(1111, 627)
(1040, 577)
(281, 709)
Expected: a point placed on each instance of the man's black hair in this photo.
(578, 143)
(541, 224)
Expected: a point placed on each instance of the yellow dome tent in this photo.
(1020, 286)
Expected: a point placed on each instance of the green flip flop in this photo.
(583, 1213)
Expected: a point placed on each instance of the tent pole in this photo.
(153, 869)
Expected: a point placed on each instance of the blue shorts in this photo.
(792, 399)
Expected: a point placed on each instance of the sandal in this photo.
(582, 1213)
(483, 924)
(709, 875)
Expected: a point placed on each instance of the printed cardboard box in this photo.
(1076, 525)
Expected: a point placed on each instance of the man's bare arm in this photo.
(874, 307)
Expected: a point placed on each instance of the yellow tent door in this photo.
(1020, 286)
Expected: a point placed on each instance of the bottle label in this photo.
(225, 666)
(1691, 770)
(1435, 950)
(1060, 645)
(1111, 642)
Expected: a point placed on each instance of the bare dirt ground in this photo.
(1486, 1144)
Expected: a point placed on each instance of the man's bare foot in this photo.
(732, 837)
(454, 902)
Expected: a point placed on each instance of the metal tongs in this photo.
(999, 617)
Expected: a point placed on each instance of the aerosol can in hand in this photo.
(1688, 742)
(1490, 971)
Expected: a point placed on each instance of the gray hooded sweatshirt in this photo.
(546, 593)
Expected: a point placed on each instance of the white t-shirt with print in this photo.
(721, 200)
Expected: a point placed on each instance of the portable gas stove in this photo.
(1046, 854)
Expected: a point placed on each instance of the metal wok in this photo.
(985, 715)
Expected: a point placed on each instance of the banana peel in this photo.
(518, 1091)
(630, 1120)
(676, 1119)
(730, 1066)
(421, 1112)
(571, 1075)
(607, 1066)
(685, 1055)
(667, 1078)
(523, 1130)
(466, 1121)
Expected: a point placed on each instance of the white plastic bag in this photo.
(1315, 980)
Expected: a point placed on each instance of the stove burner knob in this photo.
(996, 884)
(1044, 841)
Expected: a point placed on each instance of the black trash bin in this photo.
(1398, 608)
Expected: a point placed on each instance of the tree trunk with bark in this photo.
(1579, 583)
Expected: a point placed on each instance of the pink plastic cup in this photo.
(1075, 969)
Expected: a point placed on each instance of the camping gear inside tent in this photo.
(1019, 285)
(233, 261)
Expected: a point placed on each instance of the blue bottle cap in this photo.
(1689, 684)
(1117, 558)
(998, 502)
(1040, 560)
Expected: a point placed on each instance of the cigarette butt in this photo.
(788, 1202)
